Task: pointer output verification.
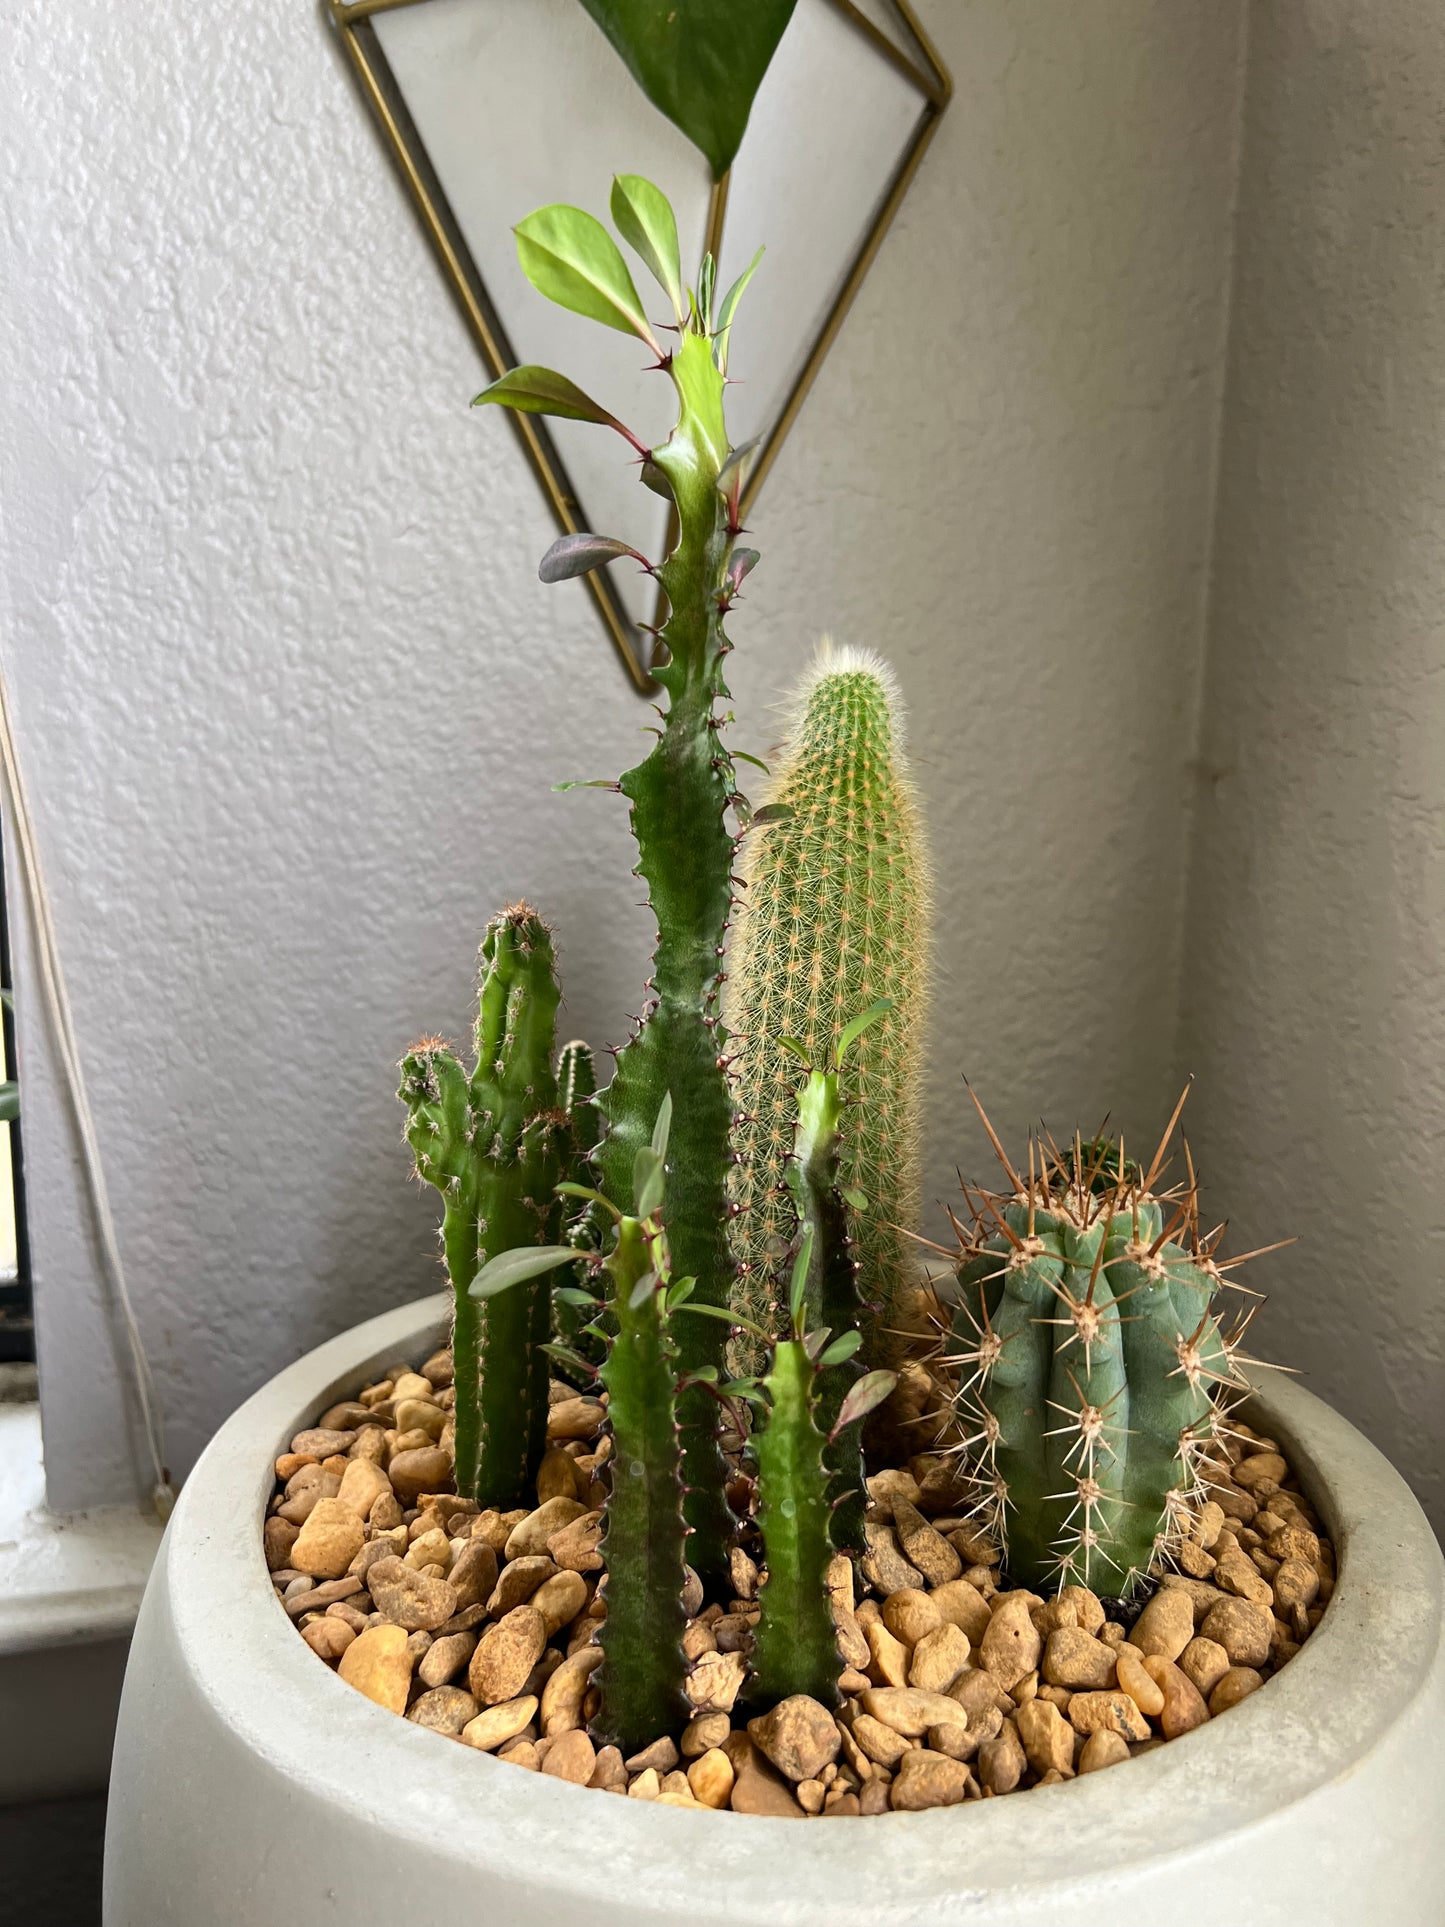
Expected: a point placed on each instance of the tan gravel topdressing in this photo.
(480, 1625)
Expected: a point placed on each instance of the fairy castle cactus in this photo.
(835, 916)
(680, 795)
(796, 1647)
(493, 1143)
(1091, 1366)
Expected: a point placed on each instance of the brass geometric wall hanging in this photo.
(491, 108)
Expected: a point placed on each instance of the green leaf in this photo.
(741, 756)
(663, 1127)
(570, 1190)
(570, 257)
(647, 1182)
(853, 1031)
(728, 309)
(679, 1293)
(795, 1047)
(706, 281)
(642, 1290)
(7, 999)
(871, 1390)
(644, 218)
(510, 1268)
(574, 1295)
(574, 1361)
(699, 61)
(540, 391)
(732, 477)
(851, 1195)
(572, 555)
(799, 1286)
(9, 1102)
(841, 1348)
(773, 813)
(740, 565)
(592, 783)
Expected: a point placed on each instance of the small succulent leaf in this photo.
(574, 1295)
(591, 783)
(647, 1182)
(815, 1341)
(510, 1268)
(644, 218)
(842, 1347)
(742, 564)
(570, 257)
(541, 391)
(742, 756)
(732, 476)
(573, 555)
(729, 307)
(728, 1317)
(570, 1190)
(706, 280)
(740, 1387)
(9, 1102)
(654, 478)
(701, 64)
(795, 1047)
(679, 1293)
(574, 1361)
(865, 1020)
(7, 999)
(642, 1290)
(854, 1197)
(869, 1392)
(774, 813)
(662, 1127)
(704, 1375)
(798, 1289)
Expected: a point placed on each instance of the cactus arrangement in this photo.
(836, 917)
(747, 1181)
(1090, 1361)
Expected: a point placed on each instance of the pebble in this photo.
(659, 1753)
(911, 1614)
(1259, 1468)
(1242, 1629)
(320, 1442)
(505, 1655)
(1102, 1749)
(880, 1743)
(1046, 1736)
(1075, 1659)
(927, 1780)
(517, 1582)
(938, 1659)
(1115, 1712)
(883, 1564)
(1231, 1687)
(445, 1658)
(1295, 1584)
(714, 1683)
(560, 1599)
(328, 1638)
(609, 1772)
(1205, 1662)
(1075, 1606)
(1166, 1625)
(575, 1418)
(1001, 1761)
(575, 1546)
(888, 1658)
(924, 1547)
(420, 1470)
(473, 1574)
(1136, 1678)
(1184, 1708)
(565, 1691)
(711, 1776)
(704, 1734)
(571, 1756)
(962, 1605)
(445, 1709)
(328, 1541)
(799, 1736)
(1011, 1648)
(1236, 1573)
(278, 1537)
(910, 1711)
(409, 1598)
(758, 1787)
(362, 1484)
(378, 1664)
(528, 1538)
(1201, 1596)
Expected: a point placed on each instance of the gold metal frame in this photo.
(352, 20)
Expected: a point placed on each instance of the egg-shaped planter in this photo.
(252, 1787)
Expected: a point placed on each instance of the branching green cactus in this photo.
(493, 1144)
(831, 1282)
(835, 916)
(645, 1536)
(796, 1647)
(1092, 1371)
(681, 794)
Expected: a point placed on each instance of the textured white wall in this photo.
(1314, 1005)
(291, 698)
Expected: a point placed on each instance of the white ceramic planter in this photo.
(251, 1788)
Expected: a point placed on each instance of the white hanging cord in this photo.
(57, 1004)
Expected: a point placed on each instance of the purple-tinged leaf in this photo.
(869, 1392)
(573, 555)
(743, 562)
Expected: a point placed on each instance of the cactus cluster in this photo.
(835, 917)
(1093, 1371)
(1084, 1353)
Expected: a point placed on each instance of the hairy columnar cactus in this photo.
(1090, 1364)
(494, 1145)
(795, 1650)
(835, 916)
(681, 793)
(643, 1668)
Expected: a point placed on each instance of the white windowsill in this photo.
(63, 1581)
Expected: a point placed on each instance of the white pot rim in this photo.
(1370, 1660)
